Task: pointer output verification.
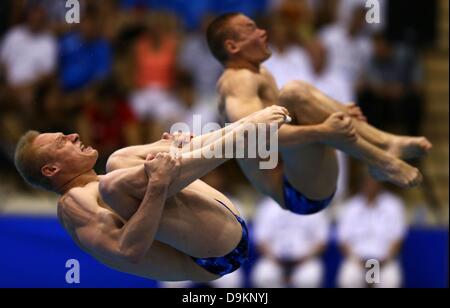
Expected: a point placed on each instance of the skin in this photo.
(150, 213)
(320, 125)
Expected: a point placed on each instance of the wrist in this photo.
(158, 182)
(321, 132)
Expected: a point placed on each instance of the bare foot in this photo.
(398, 173)
(273, 114)
(409, 147)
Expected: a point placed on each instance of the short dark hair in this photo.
(217, 33)
(29, 160)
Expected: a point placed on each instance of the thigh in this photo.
(391, 275)
(267, 274)
(165, 263)
(313, 170)
(351, 275)
(308, 274)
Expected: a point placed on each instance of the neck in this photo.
(242, 64)
(78, 181)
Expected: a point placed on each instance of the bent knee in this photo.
(295, 91)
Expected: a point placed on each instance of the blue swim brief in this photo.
(297, 203)
(225, 265)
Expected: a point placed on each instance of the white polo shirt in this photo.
(370, 231)
(347, 56)
(27, 56)
(288, 235)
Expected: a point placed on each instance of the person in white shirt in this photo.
(371, 227)
(28, 52)
(349, 49)
(290, 247)
(346, 7)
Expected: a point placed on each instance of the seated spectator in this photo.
(28, 56)
(289, 61)
(290, 247)
(155, 72)
(85, 55)
(349, 49)
(196, 58)
(391, 94)
(372, 226)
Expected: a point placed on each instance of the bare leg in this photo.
(312, 170)
(307, 107)
(197, 163)
(404, 147)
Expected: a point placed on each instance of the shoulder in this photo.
(233, 81)
(13, 35)
(77, 207)
(236, 76)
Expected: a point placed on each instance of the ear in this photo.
(231, 47)
(50, 170)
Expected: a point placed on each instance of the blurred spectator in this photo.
(85, 56)
(346, 7)
(348, 47)
(299, 15)
(155, 74)
(107, 123)
(290, 247)
(392, 93)
(288, 61)
(28, 54)
(196, 58)
(155, 56)
(326, 11)
(372, 226)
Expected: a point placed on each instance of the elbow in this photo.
(108, 187)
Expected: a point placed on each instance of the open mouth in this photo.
(85, 149)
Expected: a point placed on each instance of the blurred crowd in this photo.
(132, 68)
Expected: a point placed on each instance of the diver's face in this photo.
(251, 42)
(67, 152)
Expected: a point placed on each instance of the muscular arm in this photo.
(104, 234)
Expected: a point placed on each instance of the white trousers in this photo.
(353, 275)
(269, 274)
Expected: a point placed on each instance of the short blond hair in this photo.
(29, 161)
